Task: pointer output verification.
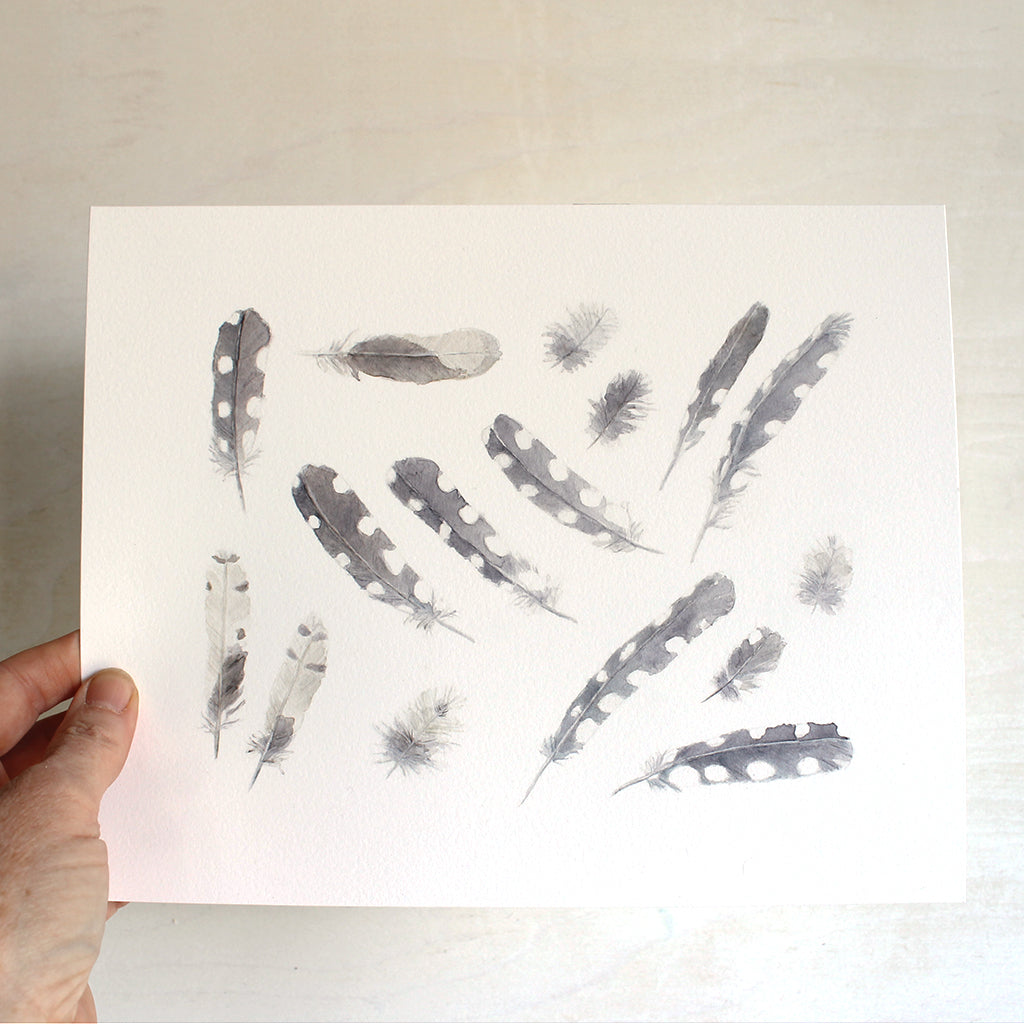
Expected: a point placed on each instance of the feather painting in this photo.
(622, 406)
(347, 532)
(646, 653)
(237, 393)
(227, 614)
(775, 403)
(297, 681)
(455, 355)
(421, 487)
(719, 377)
(575, 343)
(826, 577)
(747, 663)
(780, 752)
(543, 479)
(414, 739)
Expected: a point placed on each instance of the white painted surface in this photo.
(181, 102)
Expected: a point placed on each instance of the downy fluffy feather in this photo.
(826, 577)
(297, 681)
(781, 752)
(646, 652)
(411, 358)
(574, 344)
(227, 612)
(747, 664)
(237, 392)
(719, 377)
(552, 486)
(413, 740)
(776, 401)
(623, 404)
(417, 484)
(344, 528)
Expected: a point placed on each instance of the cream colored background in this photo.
(914, 102)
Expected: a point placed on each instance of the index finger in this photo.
(34, 681)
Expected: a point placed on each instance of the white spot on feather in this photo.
(342, 559)
(604, 537)
(590, 497)
(225, 364)
(468, 514)
(375, 589)
(223, 410)
(367, 525)
(610, 701)
(772, 427)
(602, 676)
(719, 395)
(801, 730)
(760, 770)
(627, 650)
(685, 776)
(808, 766)
(716, 773)
(503, 460)
(528, 491)
(755, 735)
(223, 443)
(339, 484)
(558, 470)
(416, 504)
(476, 561)
(569, 516)
(444, 531)
(444, 483)
(314, 522)
(253, 406)
(585, 729)
(496, 545)
(394, 561)
(716, 742)
(801, 391)
(523, 439)
(262, 356)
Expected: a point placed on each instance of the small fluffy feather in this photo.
(413, 740)
(826, 577)
(574, 344)
(623, 405)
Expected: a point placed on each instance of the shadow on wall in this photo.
(40, 502)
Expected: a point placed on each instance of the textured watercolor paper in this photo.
(527, 556)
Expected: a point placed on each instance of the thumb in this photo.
(89, 749)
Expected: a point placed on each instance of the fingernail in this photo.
(111, 689)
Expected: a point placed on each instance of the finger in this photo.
(89, 749)
(35, 681)
(31, 748)
(86, 1011)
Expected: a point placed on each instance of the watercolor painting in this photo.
(537, 554)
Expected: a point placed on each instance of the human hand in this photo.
(53, 864)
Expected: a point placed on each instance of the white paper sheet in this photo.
(869, 457)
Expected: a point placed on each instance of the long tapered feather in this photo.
(647, 653)
(412, 741)
(719, 377)
(345, 529)
(747, 663)
(826, 577)
(415, 359)
(775, 402)
(574, 344)
(542, 478)
(227, 614)
(780, 752)
(297, 681)
(417, 483)
(237, 392)
(623, 405)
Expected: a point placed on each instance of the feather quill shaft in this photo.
(646, 653)
(421, 487)
(747, 663)
(543, 479)
(775, 402)
(297, 682)
(780, 752)
(227, 613)
(346, 531)
(574, 344)
(623, 405)
(237, 391)
(719, 377)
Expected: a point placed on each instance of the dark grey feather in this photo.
(747, 663)
(335, 512)
(416, 483)
(781, 752)
(719, 377)
(543, 479)
(237, 391)
(622, 406)
(776, 401)
(646, 652)
(574, 344)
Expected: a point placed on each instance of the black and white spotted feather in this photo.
(421, 486)
(227, 616)
(747, 663)
(647, 653)
(237, 393)
(347, 532)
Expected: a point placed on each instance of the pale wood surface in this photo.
(106, 102)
